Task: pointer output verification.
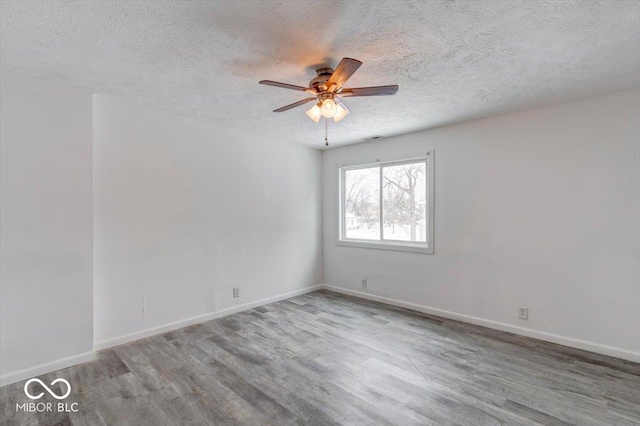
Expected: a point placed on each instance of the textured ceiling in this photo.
(454, 61)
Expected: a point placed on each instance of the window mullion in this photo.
(343, 205)
(381, 207)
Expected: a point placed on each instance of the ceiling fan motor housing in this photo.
(324, 74)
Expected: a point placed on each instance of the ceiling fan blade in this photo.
(370, 91)
(339, 102)
(288, 107)
(345, 69)
(285, 85)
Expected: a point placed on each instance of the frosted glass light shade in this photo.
(314, 113)
(328, 108)
(340, 113)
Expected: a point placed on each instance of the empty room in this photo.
(304, 212)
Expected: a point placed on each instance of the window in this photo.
(388, 205)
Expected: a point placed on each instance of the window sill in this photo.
(413, 248)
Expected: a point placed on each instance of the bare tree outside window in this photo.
(405, 202)
(362, 204)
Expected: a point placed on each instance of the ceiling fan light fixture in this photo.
(326, 91)
(340, 113)
(329, 108)
(314, 113)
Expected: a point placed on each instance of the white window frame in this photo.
(409, 246)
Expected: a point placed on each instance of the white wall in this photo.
(45, 223)
(185, 211)
(538, 208)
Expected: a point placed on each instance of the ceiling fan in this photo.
(327, 89)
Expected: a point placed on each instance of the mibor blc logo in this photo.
(40, 407)
(52, 393)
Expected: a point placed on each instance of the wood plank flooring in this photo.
(327, 359)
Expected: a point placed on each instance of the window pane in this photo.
(405, 202)
(362, 204)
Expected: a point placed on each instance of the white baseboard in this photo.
(97, 346)
(38, 370)
(527, 332)
(48, 367)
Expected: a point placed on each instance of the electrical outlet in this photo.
(364, 282)
(236, 292)
(523, 312)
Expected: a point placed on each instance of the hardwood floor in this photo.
(325, 359)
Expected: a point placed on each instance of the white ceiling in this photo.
(454, 61)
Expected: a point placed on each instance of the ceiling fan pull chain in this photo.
(326, 131)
